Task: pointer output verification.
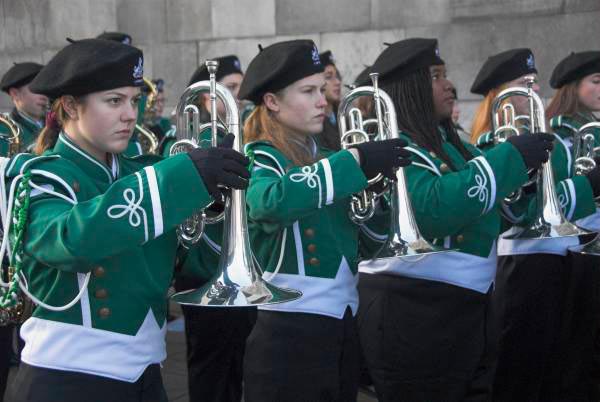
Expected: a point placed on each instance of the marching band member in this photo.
(424, 323)
(99, 240)
(330, 138)
(577, 81)
(531, 277)
(230, 74)
(155, 121)
(28, 114)
(215, 337)
(30, 108)
(302, 236)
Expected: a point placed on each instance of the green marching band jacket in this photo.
(565, 127)
(300, 230)
(574, 194)
(116, 227)
(29, 132)
(454, 209)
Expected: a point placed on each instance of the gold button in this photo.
(311, 248)
(101, 293)
(444, 168)
(460, 238)
(309, 232)
(314, 261)
(99, 272)
(432, 154)
(104, 312)
(76, 186)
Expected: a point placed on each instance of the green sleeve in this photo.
(445, 204)
(277, 198)
(133, 211)
(4, 146)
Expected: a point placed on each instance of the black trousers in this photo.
(6, 340)
(296, 357)
(216, 339)
(424, 340)
(531, 291)
(580, 331)
(35, 384)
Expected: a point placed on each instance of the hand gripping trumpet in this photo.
(238, 281)
(550, 221)
(404, 238)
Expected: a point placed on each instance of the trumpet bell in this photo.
(238, 281)
(224, 291)
(592, 248)
(404, 238)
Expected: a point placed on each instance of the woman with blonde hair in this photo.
(298, 203)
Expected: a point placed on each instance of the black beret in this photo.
(405, 57)
(90, 65)
(574, 67)
(159, 83)
(227, 65)
(503, 67)
(18, 75)
(279, 65)
(116, 36)
(327, 58)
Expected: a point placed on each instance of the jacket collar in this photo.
(66, 148)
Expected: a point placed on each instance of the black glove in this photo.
(534, 148)
(221, 166)
(382, 157)
(594, 177)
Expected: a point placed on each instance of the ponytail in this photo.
(55, 120)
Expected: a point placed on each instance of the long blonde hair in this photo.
(262, 125)
(566, 102)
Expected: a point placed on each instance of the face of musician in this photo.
(300, 107)
(443, 96)
(232, 82)
(588, 92)
(159, 106)
(102, 122)
(33, 105)
(333, 85)
(520, 102)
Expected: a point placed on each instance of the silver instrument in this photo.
(238, 281)
(583, 163)
(550, 221)
(404, 238)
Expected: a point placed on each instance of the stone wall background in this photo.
(177, 35)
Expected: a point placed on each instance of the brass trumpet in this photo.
(14, 141)
(238, 281)
(550, 221)
(148, 140)
(404, 238)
